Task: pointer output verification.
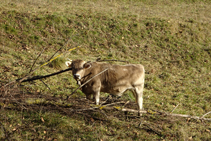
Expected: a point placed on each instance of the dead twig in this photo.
(19, 103)
(174, 108)
(59, 49)
(189, 116)
(121, 102)
(206, 114)
(45, 84)
(126, 103)
(125, 109)
(105, 100)
(135, 111)
(29, 74)
(36, 59)
(5, 132)
(99, 60)
(86, 83)
(96, 107)
(93, 117)
(104, 113)
(150, 127)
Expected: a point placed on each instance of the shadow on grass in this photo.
(39, 114)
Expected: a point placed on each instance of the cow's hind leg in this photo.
(139, 96)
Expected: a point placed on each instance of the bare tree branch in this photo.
(36, 59)
(45, 76)
(59, 49)
(45, 84)
(31, 71)
(206, 114)
(174, 108)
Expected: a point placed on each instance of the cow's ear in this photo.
(87, 65)
(68, 63)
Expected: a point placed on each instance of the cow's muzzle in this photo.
(77, 76)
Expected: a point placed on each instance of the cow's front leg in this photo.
(88, 96)
(97, 97)
(139, 97)
(96, 89)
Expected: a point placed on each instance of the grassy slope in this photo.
(171, 39)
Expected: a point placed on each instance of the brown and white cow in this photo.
(115, 80)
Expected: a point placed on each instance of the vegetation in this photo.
(170, 38)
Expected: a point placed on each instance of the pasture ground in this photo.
(171, 39)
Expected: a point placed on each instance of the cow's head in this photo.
(78, 68)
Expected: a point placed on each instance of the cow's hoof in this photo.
(139, 114)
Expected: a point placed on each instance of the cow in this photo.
(115, 79)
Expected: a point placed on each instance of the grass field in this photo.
(172, 39)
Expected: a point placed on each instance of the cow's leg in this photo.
(139, 96)
(88, 96)
(96, 90)
(97, 97)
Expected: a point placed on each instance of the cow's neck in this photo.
(84, 79)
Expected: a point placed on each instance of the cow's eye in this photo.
(80, 69)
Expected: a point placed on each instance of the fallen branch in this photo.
(158, 113)
(106, 107)
(121, 102)
(188, 116)
(41, 76)
(131, 110)
(124, 109)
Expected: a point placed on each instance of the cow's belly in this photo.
(118, 91)
(87, 90)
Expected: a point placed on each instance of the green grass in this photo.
(170, 38)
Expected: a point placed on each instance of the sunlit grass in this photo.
(170, 38)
